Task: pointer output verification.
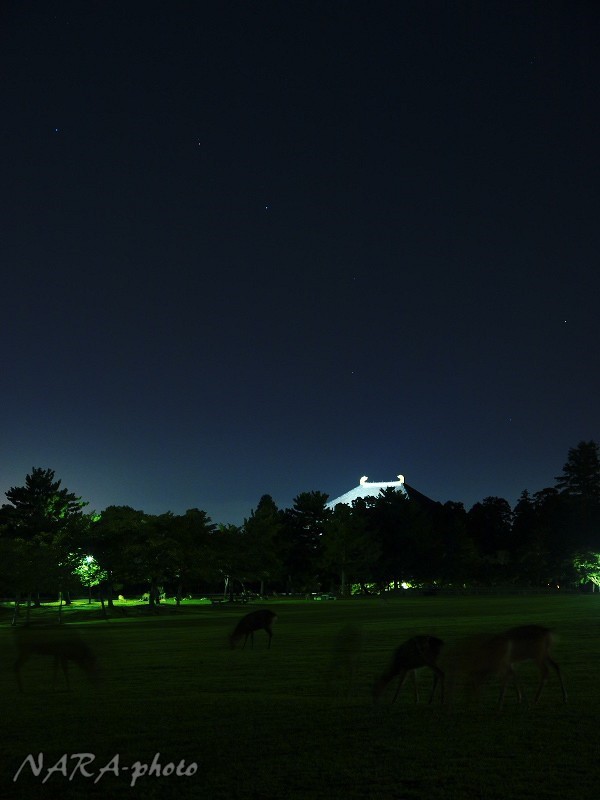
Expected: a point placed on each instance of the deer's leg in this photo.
(509, 672)
(438, 675)
(557, 670)
(402, 675)
(415, 687)
(517, 685)
(270, 635)
(543, 667)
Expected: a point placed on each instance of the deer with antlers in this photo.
(420, 651)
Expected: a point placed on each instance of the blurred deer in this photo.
(254, 621)
(62, 646)
(498, 654)
(420, 651)
(345, 659)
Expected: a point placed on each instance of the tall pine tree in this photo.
(44, 524)
(581, 473)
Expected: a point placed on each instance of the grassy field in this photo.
(271, 723)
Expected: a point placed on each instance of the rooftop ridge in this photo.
(367, 488)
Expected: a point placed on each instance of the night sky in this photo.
(260, 247)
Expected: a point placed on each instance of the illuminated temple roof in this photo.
(368, 489)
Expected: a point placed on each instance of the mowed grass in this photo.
(280, 723)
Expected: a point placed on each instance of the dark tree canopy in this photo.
(581, 473)
(41, 506)
(551, 537)
(44, 525)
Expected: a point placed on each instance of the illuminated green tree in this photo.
(90, 573)
(587, 565)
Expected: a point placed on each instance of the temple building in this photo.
(366, 488)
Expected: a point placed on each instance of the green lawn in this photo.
(271, 723)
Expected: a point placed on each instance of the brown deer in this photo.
(498, 654)
(420, 651)
(62, 646)
(254, 621)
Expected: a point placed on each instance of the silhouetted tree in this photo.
(151, 553)
(553, 532)
(347, 549)
(581, 473)
(229, 557)
(460, 556)
(188, 552)
(579, 486)
(489, 525)
(262, 531)
(402, 530)
(303, 527)
(531, 553)
(49, 523)
(114, 540)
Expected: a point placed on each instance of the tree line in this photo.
(49, 544)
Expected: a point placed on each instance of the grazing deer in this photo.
(420, 651)
(61, 646)
(499, 653)
(254, 621)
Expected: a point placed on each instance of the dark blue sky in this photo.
(256, 248)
